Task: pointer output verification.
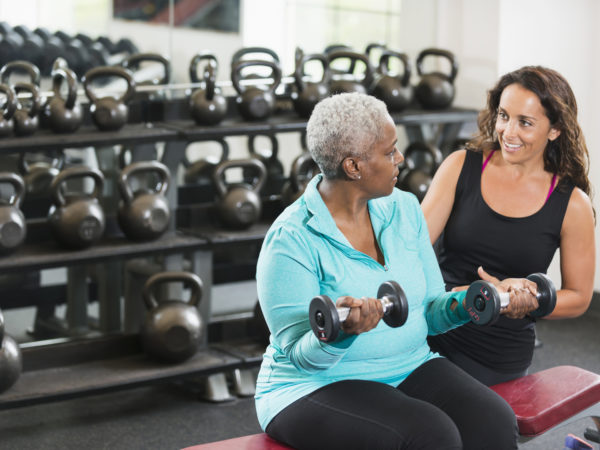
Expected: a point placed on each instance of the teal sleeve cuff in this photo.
(459, 310)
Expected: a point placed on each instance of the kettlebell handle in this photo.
(60, 63)
(367, 81)
(199, 57)
(373, 46)
(438, 52)
(10, 105)
(64, 73)
(255, 163)
(402, 57)
(106, 71)
(191, 279)
(300, 166)
(224, 152)
(301, 62)
(20, 66)
(274, 145)
(421, 146)
(35, 96)
(57, 162)
(1, 326)
(143, 166)
(236, 71)
(75, 172)
(19, 186)
(237, 56)
(133, 63)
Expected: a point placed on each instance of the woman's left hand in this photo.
(522, 292)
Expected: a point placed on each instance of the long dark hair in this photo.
(567, 156)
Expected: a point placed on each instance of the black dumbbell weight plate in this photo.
(547, 294)
(397, 316)
(324, 319)
(482, 303)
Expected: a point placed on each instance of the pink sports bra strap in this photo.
(552, 186)
(487, 160)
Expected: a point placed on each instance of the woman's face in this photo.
(381, 169)
(522, 125)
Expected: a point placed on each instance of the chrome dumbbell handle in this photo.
(344, 311)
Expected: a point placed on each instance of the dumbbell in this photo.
(325, 318)
(483, 302)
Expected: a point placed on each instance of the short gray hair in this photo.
(344, 125)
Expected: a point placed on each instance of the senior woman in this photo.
(374, 386)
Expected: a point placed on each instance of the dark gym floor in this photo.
(170, 417)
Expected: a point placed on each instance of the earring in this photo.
(358, 177)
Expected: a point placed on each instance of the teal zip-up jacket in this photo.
(303, 255)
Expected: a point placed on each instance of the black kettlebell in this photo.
(11, 360)
(309, 93)
(134, 63)
(380, 46)
(207, 105)
(172, 330)
(335, 68)
(268, 158)
(304, 168)
(349, 82)
(416, 181)
(201, 170)
(63, 115)
(423, 156)
(435, 90)
(257, 53)
(109, 113)
(255, 102)
(20, 66)
(76, 218)
(239, 205)
(25, 118)
(13, 227)
(7, 110)
(144, 214)
(394, 90)
(39, 170)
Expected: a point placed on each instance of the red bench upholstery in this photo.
(540, 401)
(253, 442)
(552, 397)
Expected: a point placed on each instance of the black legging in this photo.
(438, 406)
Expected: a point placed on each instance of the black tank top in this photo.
(476, 235)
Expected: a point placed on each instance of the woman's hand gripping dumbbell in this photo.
(326, 319)
(483, 302)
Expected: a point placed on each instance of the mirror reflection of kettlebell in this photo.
(7, 110)
(304, 168)
(201, 170)
(144, 214)
(11, 360)
(13, 227)
(39, 170)
(239, 205)
(207, 105)
(26, 117)
(349, 82)
(394, 90)
(435, 90)
(109, 113)
(309, 93)
(172, 330)
(255, 102)
(76, 218)
(63, 115)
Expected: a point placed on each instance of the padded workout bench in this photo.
(541, 401)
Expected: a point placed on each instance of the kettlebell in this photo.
(172, 329)
(7, 110)
(134, 62)
(393, 89)
(309, 93)
(201, 170)
(23, 67)
(239, 205)
(11, 360)
(63, 115)
(13, 227)
(257, 53)
(380, 46)
(109, 113)
(144, 214)
(335, 69)
(255, 102)
(435, 90)
(76, 219)
(304, 168)
(271, 162)
(423, 156)
(207, 105)
(39, 172)
(349, 82)
(26, 118)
